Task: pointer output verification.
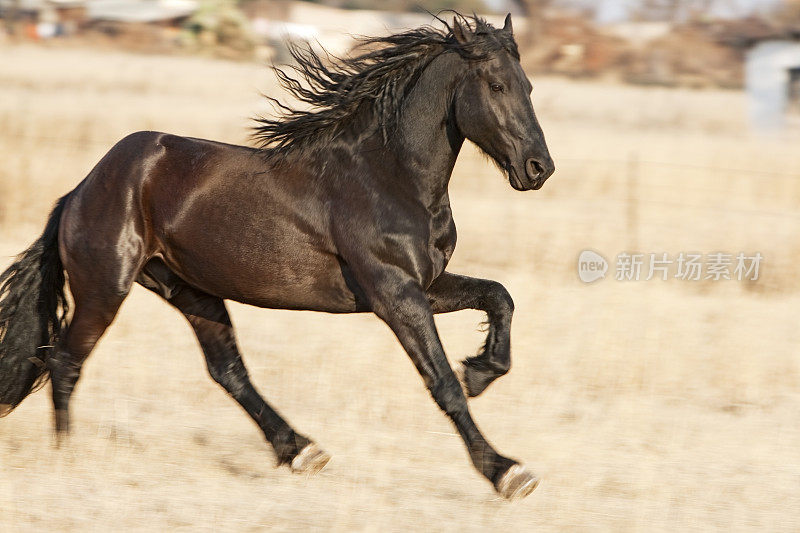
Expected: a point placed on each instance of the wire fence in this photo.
(634, 171)
(631, 191)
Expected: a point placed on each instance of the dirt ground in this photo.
(643, 405)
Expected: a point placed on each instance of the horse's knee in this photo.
(499, 301)
(479, 372)
(499, 367)
(491, 368)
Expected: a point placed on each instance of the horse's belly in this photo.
(312, 282)
(315, 287)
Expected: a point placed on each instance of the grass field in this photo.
(649, 405)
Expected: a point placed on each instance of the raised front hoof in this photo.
(517, 483)
(310, 460)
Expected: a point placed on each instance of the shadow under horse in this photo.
(343, 208)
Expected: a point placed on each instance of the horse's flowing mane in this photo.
(334, 89)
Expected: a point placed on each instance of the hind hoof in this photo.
(5, 409)
(517, 483)
(310, 460)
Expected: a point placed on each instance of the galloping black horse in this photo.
(342, 208)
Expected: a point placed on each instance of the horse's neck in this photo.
(427, 142)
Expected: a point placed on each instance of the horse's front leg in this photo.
(451, 292)
(401, 302)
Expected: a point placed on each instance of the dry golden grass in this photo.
(644, 406)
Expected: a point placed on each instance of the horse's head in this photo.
(493, 106)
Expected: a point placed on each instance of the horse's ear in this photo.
(507, 26)
(462, 35)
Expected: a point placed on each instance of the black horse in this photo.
(342, 208)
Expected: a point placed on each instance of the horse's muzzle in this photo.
(538, 170)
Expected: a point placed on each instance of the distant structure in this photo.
(772, 73)
(44, 19)
(772, 79)
(141, 12)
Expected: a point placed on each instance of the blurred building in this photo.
(44, 19)
(772, 70)
(138, 11)
(772, 78)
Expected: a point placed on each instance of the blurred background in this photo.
(643, 405)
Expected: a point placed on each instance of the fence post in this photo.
(632, 211)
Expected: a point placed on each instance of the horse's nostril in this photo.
(534, 168)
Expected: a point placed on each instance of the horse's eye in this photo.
(496, 87)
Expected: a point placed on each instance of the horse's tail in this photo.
(33, 311)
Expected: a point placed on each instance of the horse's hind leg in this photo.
(89, 322)
(211, 323)
(98, 288)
